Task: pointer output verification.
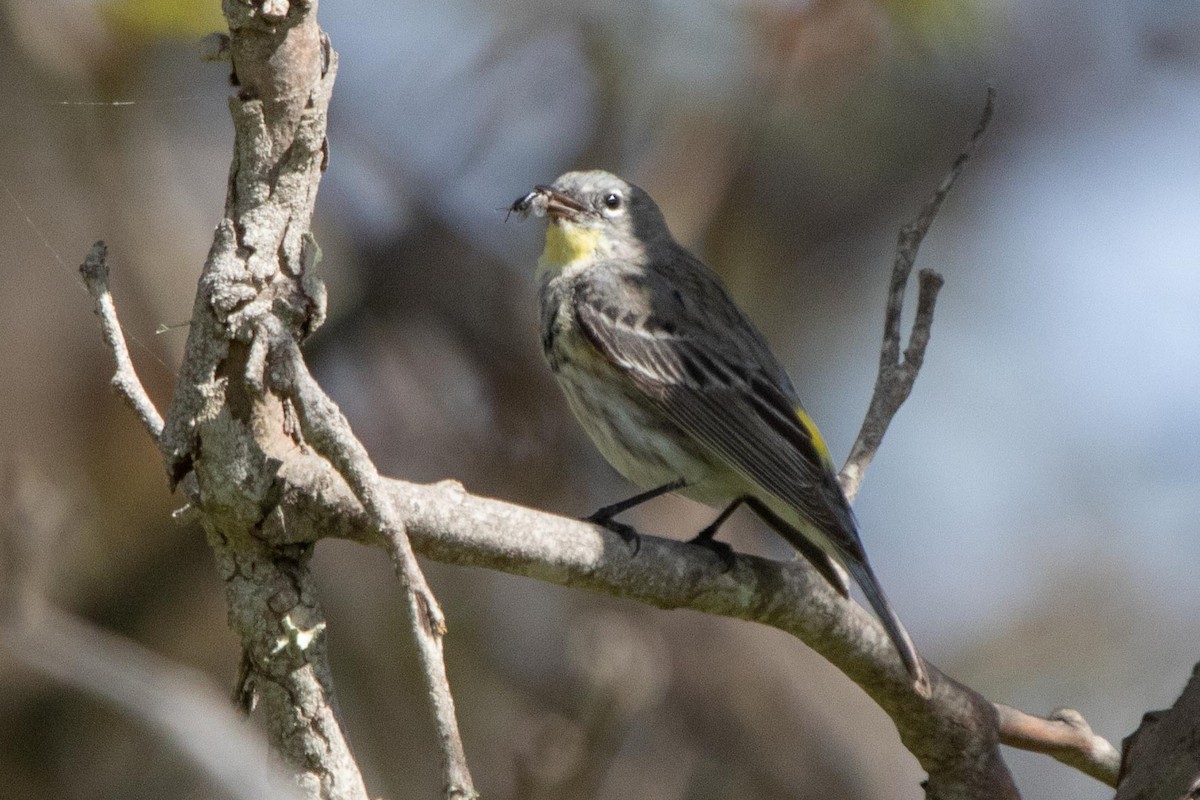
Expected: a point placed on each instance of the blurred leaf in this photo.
(938, 23)
(156, 19)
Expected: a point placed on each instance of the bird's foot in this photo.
(626, 532)
(723, 551)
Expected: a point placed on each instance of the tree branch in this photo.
(1065, 735)
(953, 734)
(271, 601)
(896, 378)
(222, 431)
(256, 299)
(94, 270)
(326, 430)
(1161, 759)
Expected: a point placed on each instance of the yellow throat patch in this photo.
(567, 244)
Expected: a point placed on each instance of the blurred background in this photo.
(1032, 513)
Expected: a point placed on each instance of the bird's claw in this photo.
(626, 532)
(722, 550)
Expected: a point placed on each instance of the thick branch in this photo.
(227, 434)
(326, 430)
(896, 378)
(222, 431)
(1161, 759)
(953, 734)
(273, 606)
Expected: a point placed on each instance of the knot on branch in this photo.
(94, 269)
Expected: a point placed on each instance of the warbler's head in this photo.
(593, 216)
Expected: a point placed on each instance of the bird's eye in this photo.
(612, 201)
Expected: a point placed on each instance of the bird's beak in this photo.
(559, 205)
(544, 200)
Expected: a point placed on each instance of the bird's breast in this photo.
(563, 342)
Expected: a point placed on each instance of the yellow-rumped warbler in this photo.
(678, 389)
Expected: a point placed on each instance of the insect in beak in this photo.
(545, 200)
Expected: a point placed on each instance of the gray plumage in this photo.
(673, 382)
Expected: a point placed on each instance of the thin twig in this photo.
(1066, 736)
(896, 377)
(94, 270)
(327, 431)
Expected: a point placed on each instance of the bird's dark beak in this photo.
(545, 200)
(559, 205)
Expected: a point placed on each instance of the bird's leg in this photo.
(604, 516)
(706, 538)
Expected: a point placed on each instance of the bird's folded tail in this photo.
(824, 563)
(895, 629)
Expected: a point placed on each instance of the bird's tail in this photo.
(825, 564)
(865, 578)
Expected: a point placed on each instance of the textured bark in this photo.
(1161, 759)
(222, 428)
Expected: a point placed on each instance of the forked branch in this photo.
(1066, 736)
(896, 377)
(326, 430)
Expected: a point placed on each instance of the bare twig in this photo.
(326, 430)
(896, 377)
(1065, 735)
(94, 270)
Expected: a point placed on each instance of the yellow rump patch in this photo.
(817, 439)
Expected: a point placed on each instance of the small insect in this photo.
(532, 203)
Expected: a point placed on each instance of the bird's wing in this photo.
(722, 394)
(724, 388)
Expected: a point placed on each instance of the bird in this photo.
(679, 390)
